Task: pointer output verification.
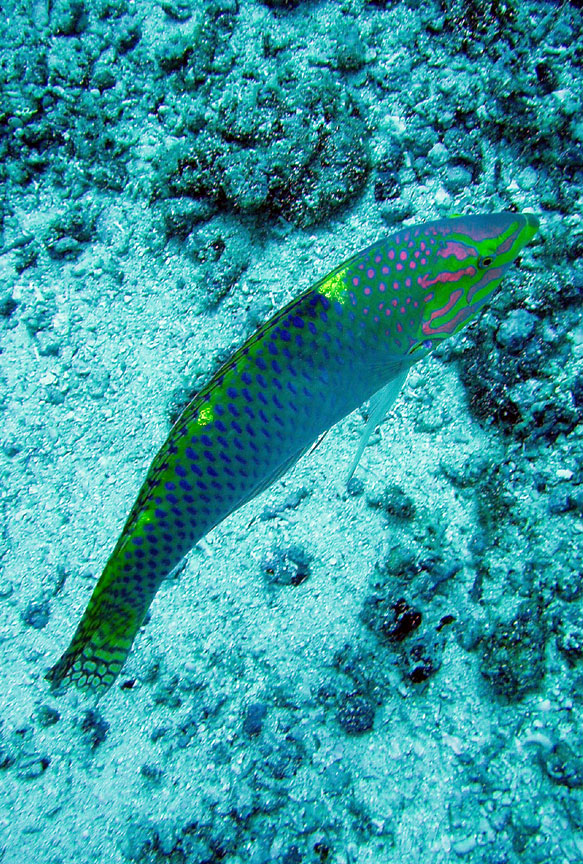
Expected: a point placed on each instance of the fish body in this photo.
(337, 344)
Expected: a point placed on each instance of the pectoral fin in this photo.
(380, 405)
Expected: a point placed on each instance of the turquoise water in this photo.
(385, 673)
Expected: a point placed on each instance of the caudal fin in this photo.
(105, 633)
(95, 656)
(99, 647)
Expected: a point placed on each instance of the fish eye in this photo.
(486, 261)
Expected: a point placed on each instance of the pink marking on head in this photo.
(394, 301)
(355, 281)
(399, 266)
(361, 266)
(391, 254)
(408, 282)
(429, 297)
(417, 253)
(415, 304)
(437, 313)
(402, 310)
(445, 276)
(396, 286)
(459, 250)
(367, 290)
(387, 311)
(412, 264)
(399, 328)
(370, 273)
(378, 259)
(381, 305)
(423, 247)
(352, 296)
(365, 310)
(403, 255)
(382, 286)
(449, 326)
(384, 270)
(376, 319)
(424, 260)
(407, 300)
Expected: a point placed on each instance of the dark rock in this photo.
(570, 639)
(153, 773)
(254, 716)
(94, 727)
(560, 501)
(549, 420)
(33, 766)
(513, 658)
(546, 77)
(386, 185)
(393, 619)
(178, 10)
(355, 487)
(166, 693)
(336, 779)
(291, 502)
(356, 715)
(422, 661)
(288, 147)
(128, 36)
(26, 256)
(393, 500)
(516, 329)
(282, 4)
(7, 304)
(69, 17)
(286, 566)
(577, 392)
(221, 247)
(47, 716)
(39, 314)
(292, 856)
(563, 766)
(180, 215)
(350, 49)
(457, 177)
(37, 614)
(7, 755)
(285, 759)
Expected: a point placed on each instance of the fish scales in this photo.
(311, 364)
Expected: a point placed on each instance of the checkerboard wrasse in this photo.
(351, 337)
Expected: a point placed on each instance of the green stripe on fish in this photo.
(354, 334)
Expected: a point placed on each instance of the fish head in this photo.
(461, 264)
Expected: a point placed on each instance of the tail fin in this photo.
(105, 633)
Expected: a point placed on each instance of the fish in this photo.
(351, 337)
